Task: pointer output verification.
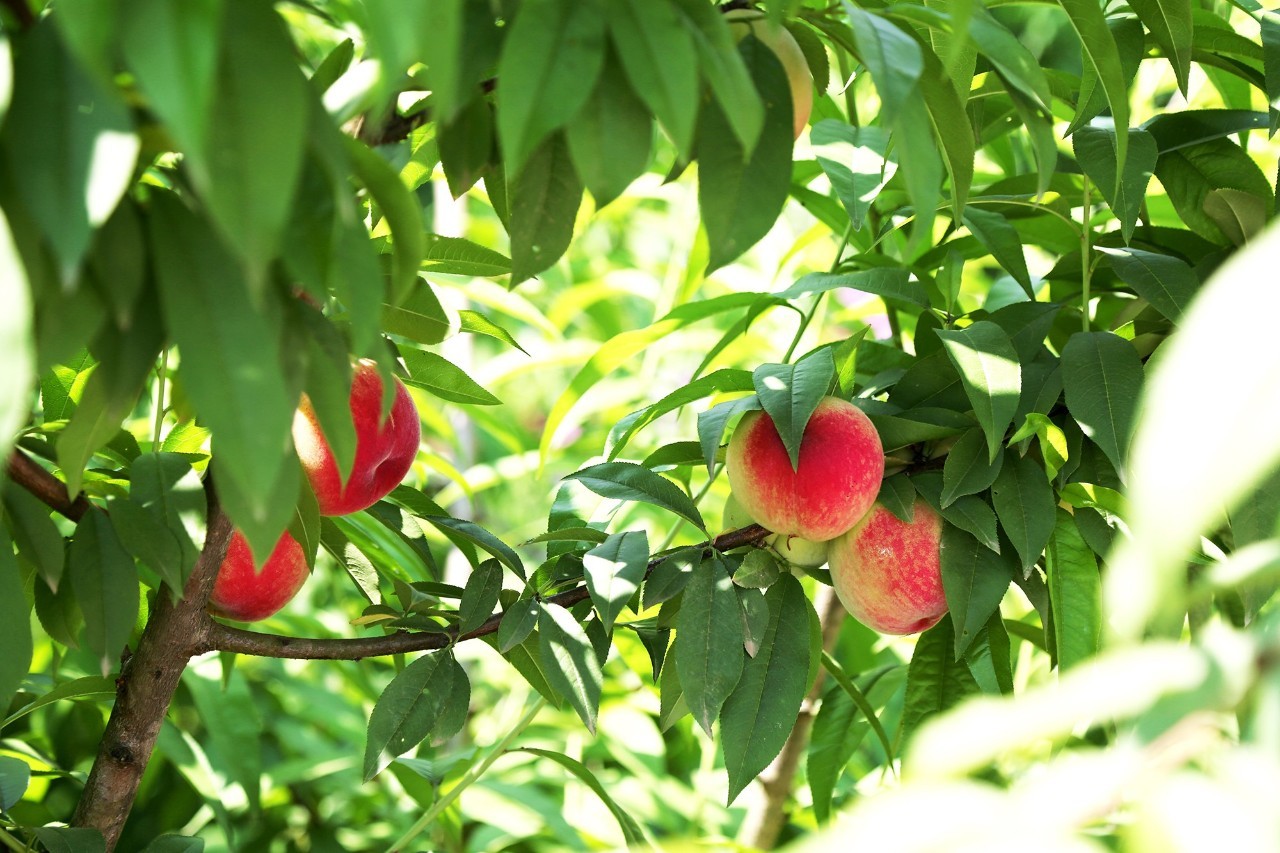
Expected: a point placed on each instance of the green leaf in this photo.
(631, 830)
(87, 687)
(1102, 378)
(65, 839)
(551, 59)
(544, 205)
(230, 361)
(70, 146)
(466, 146)
(855, 161)
(936, 681)
(402, 211)
(149, 540)
(951, 128)
(38, 539)
(1075, 591)
(888, 283)
(1095, 150)
(257, 135)
(967, 469)
(660, 59)
(992, 377)
(456, 256)
(1190, 174)
(837, 732)
(723, 381)
(614, 570)
(408, 709)
(463, 41)
(15, 776)
(105, 582)
(723, 68)
(473, 322)
(1090, 24)
(1023, 498)
(754, 611)
(1013, 61)
(15, 635)
(610, 139)
(518, 622)
(1167, 282)
(95, 421)
(741, 193)
(670, 577)
(570, 662)
(175, 844)
(974, 579)
(898, 496)
(709, 655)
(472, 532)
(920, 167)
(1001, 239)
(480, 596)
(1240, 215)
(712, 422)
(989, 659)
(419, 316)
(627, 481)
(436, 374)
(15, 341)
(760, 713)
(1170, 23)
(894, 59)
(789, 394)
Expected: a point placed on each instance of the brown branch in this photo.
(146, 686)
(225, 638)
(22, 11)
(24, 471)
(397, 127)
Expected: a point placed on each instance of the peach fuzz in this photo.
(385, 450)
(841, 465)
(888, 572)
(246, 595)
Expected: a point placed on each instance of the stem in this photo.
(472, 776)
(11, 842)
(1084, 256)
(47, 488)
(163, 372)
(146, 686)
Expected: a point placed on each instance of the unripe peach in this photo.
(784, 45)
(246, 595)
(888, 572)
(841, 465)
(793, 549)
(384, 449)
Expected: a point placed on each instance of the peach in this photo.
(837, 480)
(792, 549)
(246, 595)
(888, 572)
(385, 449)
(784, 46)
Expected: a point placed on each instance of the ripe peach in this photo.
(242, 594)
(888, 572)
(384, 450)
(783, 44)
(841, 465)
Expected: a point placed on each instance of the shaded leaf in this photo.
(1024, 501)
(1102, 378)
(408, 709)
(571, 665)
(709, 654)
(105, 582)
(974, 579)
(992, 376)
(1075, 591)
(627, 481)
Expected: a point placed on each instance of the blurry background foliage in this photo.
(994, 271)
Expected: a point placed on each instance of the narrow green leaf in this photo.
(661, 61)
(401, 210)
(15, 776)
(1095, 150)
(456, 256)
(1001, 239)
(936, 681)
(1023, 498)
(631, 830)
(610, 139)
(951, 128)
(760, 713)
(988, 658)
(974, 579)
(480, 596)
(408, 709)
(15, 635)
(725, 380)
(545, 198)
(723, 68)
(712, 422)
(435, 373)
(476, 534)
(93, 687)
(627, 481)
(15, 341)
(709, 654)
(894, 59)
(1167, 282)
(837, 732)
(1171, 25)
(419, 316)
(38, 539)
(887, 283)
(1090, 24)
(517, 624)
(570, 662)
(614, 571)
(992, 377)
(1102, 378)
(1075, 591)
(856, 161)
(789, 394)
(967, 469)
(105, 582)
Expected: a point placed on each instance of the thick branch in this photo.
(146, 686)
(24, 471)
(224, 638)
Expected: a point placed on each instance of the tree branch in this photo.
(21, 11)
(24, 471)
(146, 686)
(225, 638)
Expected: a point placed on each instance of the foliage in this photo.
(1020, 238)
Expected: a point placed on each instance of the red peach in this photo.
(246, 595)
(888, 572)
(384, 450)
(841, 465)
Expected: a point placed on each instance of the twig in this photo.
(47, 488)
(225, 638)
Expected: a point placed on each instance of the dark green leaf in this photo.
(462, 39)
(1102, 378)
(1100, 50)
(1001, 239)
(724, 68)
(105, 582)
(38, 539)
(467, 146)
(631, 830)
(989, 658)
(1191, 174)
(627, 481)
(610, 139)
(887, 283)
(709, 653)
(518, 621)
(15, 776)
(1165, 281)
(760, 713)
(754, 610)
(898, 496)
(480, 596)
(419, 316)
(992, 376)
(669, 578)
(472, 532)
(1095, 149)
(15, 638)
(790, 392)
(1171, 26)
(936, 681)
(408, 709)
(659, 58)
(614, 571)
(1023, 498)
(837, 731)
(436, 374)
(1075, 591)
(545, 197)
(974, 579)
(967, 469)
(64, 839)
(570, 662)
(711, 424)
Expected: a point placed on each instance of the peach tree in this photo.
(1001, 236)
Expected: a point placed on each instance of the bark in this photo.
(146, 687)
